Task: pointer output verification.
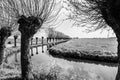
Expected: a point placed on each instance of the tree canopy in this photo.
(92, 12)
(56, 34)
(42, 9)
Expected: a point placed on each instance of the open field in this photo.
(99, 49)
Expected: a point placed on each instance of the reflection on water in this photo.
(31, 51)
(89, 70)
(42, 49)
(36, 50)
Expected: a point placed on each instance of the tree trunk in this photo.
(42, 44)
(36, 40)
(116, 30)
(118, 73)
(118, 53)
(28, 27)
(2, 46)
(25, 57)
(15, 42)
(5, 32)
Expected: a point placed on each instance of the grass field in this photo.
(99, 49)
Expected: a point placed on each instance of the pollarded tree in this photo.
(100, 13)
(30, 15)
(6, 28)
(16, 34)
(5, 32)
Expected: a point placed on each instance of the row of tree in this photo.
(27, 16)
(56, 34)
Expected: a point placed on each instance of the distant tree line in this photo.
(56, 34)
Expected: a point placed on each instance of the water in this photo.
(89, 70)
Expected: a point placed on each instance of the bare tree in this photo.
(6, 28)
(30, 15)
(5, 32)
(100, 13)
(16, 34)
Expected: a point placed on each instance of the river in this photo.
(84, 69)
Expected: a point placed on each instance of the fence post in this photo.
(36, 50)
(47, 43)
(53, 41)
(15, 42)
(32, 52)
(36, 40)
(56, 40)
(42, 40)
(42, 44)
(47, 40)
(16, 60)
(31, 41)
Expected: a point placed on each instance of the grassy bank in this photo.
(98, 49)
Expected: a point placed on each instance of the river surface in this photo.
(88, 70)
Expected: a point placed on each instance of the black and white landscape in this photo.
(59, 40)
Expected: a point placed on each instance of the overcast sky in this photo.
(73, 31)
(67, 28)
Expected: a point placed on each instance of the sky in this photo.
(66, 27)
(74, 31)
